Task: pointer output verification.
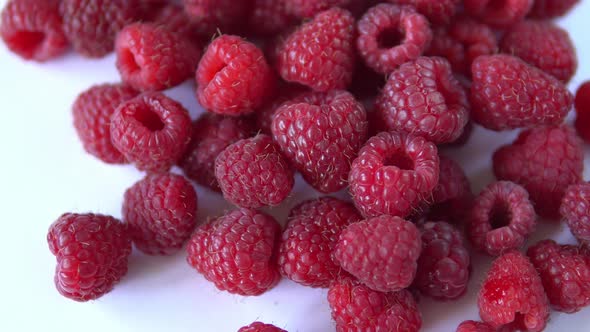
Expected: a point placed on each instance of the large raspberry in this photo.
(226, 16)
(260, 327)
(309, 240)
(270, 17)
(575, 209)
(544, 9)
(321, 133)
(545, 161)
(91, 251)
(582, 103)
(235, 252)
(309, 8)
(508, 93)
(473, 326)
(437, 11)
(498, 13)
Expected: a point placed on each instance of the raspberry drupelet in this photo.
(473, 326)
(260, 327)
(499, 14)
(575, 210)
(438, 12)
(582, 103)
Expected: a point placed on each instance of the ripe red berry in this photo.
(226, 16)
(310, 8)
(438, 12)
(473, 326)
(582, 103)
(545, 9)
(500, 14)
(173, 17)
(575, 210)
(260, 327)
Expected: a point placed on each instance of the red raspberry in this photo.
(382, 252)
(321, 133)
(32, 29)
(499, 14)
(91, 252)
(565, 272)
(582, 103)
(320, 53)
(544, 9)
(233, 77)
(575, 209)
(512, 295)
(91, 25)
(422, 97)
(437, 11)
(252, 173)
(310, 8)
(473, 326)
(393, 174)
(161, 211)
(151, 130)
(260, 327)
(358, 308)
(390, 35)
(545, 161)
(310, 238)
(543, 45)
(174, 18)
(501, 100)
(502, 218)
(218, 15)
(211, 134)
(92, 113)
(235, 252)
(270, 17)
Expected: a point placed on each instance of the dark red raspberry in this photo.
(437, 11)
(382, 252)
(575, 210)
(151, 130)
(174, 18)
(310, 8)
(507, 93)
(92, 113)
(309, 240)
(218, 15)
(422, 97)
(543, 45)
(502, 217)
(358, 308)
(582, 103)
(393, 174)
(545, 161)
(321, 133)
(266, 113)
(235, 252)
(211, 134)
(91, 252)
(498, 13)
(270, 17)
(233, 77)
(252, 173)
(473, 326)
(512, 295)
(161, 211)
(565, 272)
(33, 29)
(91, 25)
(320, 53)
(260, 327)
(544, 9)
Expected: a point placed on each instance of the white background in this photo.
(45, 173)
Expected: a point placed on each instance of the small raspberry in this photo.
(545, 161)
(310, 8)
(358, 308)
(565, 272)
(545, 9)
(390, 35)
(217, 15)
(151, 130)
(439, 12)
(92, 112)
(507, 93)
(321, 133)
(33, 29)
(512, 295)
(422, 97)
(582, 103)
(252, 173)
(473, 326)
(320, 53)
(393, 174)
(499, 14)
(233, 77)
(91, 252)
(235, 252)
(575, 210)
(270, 17)
(260, 327)
(310, 238)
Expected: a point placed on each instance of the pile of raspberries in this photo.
(357, 96)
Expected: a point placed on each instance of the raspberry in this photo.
(582, 103)
(499, 14)
(472, 326)
(512, 295)
(217, 15)
(358, 308)
(152, 58)
(422, 97)
(545, 161)
(265, 114)
(91, 252)
(309, 240)
(260, 327)
(320, 53)
(252, 173)
(382, 252)
(544, 9)
(92, 113)
(575, 209)
(91, 25)
(212, 133)
(174, 18)
(565, 272)
(543, 45)
(235, 252)
(270, 17)
(502, 217)
(310, 8)
(393, 174)
(390, 35)
(507, 93)
(161, 211)
(321, 133)
(32, 29)
(151, 130)
(436, 11)
(233, 77)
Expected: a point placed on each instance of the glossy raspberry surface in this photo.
(575, 210)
